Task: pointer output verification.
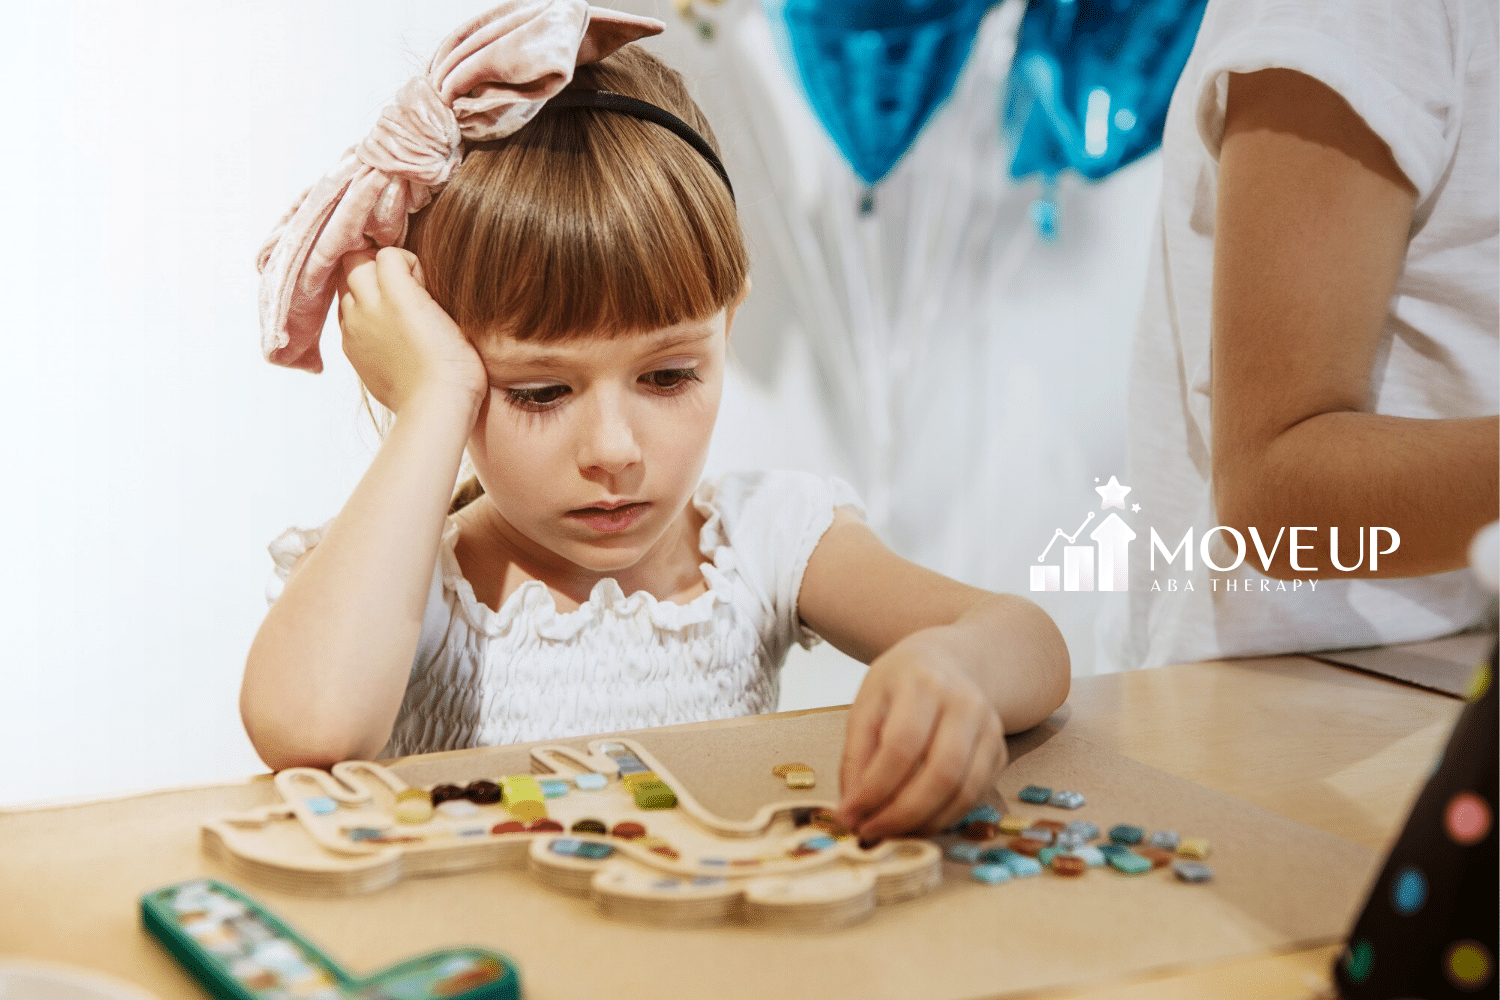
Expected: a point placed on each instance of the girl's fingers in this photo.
(862, 736)
(944, 770)
(989, 758)
(904, 736)
(360, 276)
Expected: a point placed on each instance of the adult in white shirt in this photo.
(1317, 347)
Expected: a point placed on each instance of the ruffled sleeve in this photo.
(768, 524)
(292, 543)
(1393, 61)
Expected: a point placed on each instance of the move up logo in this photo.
(1109, 556)
(1105, 565)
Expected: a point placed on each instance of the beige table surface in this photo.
(1338, 750)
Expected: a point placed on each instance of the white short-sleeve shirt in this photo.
(528, 671)
(1422, 76)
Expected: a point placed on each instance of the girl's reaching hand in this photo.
(924, 742)
(401, 342)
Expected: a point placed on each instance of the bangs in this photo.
(585, 222)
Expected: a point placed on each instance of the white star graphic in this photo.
(1113, 494)
(1135, 508)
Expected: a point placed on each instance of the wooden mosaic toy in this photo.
(239, 950)
(608, 822)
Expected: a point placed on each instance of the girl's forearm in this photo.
(328, 667)
(1015, 654)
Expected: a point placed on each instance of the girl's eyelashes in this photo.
(666, 381)
(535, 397)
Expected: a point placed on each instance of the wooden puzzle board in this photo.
(1279, 885)
(1442, 665)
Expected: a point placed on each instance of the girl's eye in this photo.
(538, 397)
(670, 380)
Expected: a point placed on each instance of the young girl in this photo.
(561, 309)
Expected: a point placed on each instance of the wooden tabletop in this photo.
(1341, 751)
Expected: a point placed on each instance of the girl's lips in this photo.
(613, 519)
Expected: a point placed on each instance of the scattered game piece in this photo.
(1035, 794)
(1083, 828)
(979, 830)
(1013, 824)
(1069, 841)
(1050, 824)
(1158, 856)
(987, 813)
(442, 793)
(472, 831)
(1069, 865)
(458, 808)
(654, 795)
(801, 779)
(628, 831)
(565, 846)
(820, 843)
(590, 781)
(666, 851)
(1129, 862)
(964, 851)
(1040, 833)
(544, 825)
(1126, 834)
(1193, 847)
(997, 856)
(1024, 867)
(714, 862)
(1091, 856)
(592, 850)
(1192, 871)
(1066, 800)
(321, 805)
(358, 833)
(509, 826)
(481, 792)
(782, 770)
(991, 874)
(553, 788)
(829, 823)
(1166, 839)
(1110, 849)
(746, 862)
(1027, 846)
(413, 806)
(589, 826)
(1045, 856)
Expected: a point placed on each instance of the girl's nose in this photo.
(608, 442)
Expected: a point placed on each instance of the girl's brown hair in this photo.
(585, 222)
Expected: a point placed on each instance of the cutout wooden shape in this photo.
(684, 866)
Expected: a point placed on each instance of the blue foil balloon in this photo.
(1090, 83)
(875, 71)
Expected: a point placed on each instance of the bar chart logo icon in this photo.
(1102, 566)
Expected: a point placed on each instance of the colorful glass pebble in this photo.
(1129, 862)
(1083, 828)
(979, 830)
(1035, 794)
(627, 831)
(482, 792)
(1195, 848)
(666, 851)
(1066, 800)
(592, 850)
(1024, 867)
(589, 826)
(1159, 857)
(444, 793)
(413, 806)
(997, 856)
(565, 846)
(1069, 841)
(801, 779)
(1069, 865)
(654, 795)
(472, 831)
(714, 862)
(1192, 871)
(635, 780)
(706, 881)
(458, 809)
(509, 826)
(965, 852)
(523, 796)
(1165, 839)
(991, 874)
(359, 833)
(1045, 856)
(321, 805)
(1013, 824)
(1126, 834)
(820, 843)
(1110, 849)
(1040, 833)
(1027, 846)
(553, 788)
(544, 825)
(590, 781)
(981, 812)
(1050, 824)
(1093, 857)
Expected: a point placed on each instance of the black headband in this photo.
(607, 100)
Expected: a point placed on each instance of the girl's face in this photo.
(590, 449)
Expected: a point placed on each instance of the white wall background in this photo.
(147, 454)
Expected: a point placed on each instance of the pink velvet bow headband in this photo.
(485, 81)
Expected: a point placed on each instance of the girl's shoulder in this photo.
(742, 506)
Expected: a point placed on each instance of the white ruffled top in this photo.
(528, 671)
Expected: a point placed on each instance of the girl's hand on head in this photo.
(923, 743)
(401, 342)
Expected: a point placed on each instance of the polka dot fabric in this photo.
(1428, 930)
